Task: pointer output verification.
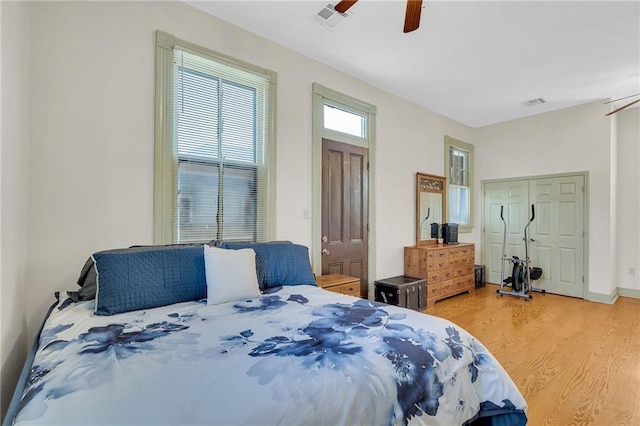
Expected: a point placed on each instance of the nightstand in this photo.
(340, 284)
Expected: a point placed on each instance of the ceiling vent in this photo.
(536, 101)
(330, 18)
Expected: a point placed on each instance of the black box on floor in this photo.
(480, 280)
(402, 291)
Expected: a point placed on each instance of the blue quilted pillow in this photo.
(279, 263)
(129, 281)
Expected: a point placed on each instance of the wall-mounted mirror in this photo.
(431, 202)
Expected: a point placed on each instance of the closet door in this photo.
(514, 197)
(556, 236)
(557, 233)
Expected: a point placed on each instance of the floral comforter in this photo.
(300, 355)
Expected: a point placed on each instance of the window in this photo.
(343, 121)
(213, 146)
(459, 167)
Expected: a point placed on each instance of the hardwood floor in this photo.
(576, 362)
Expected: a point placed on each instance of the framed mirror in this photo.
(431, 203)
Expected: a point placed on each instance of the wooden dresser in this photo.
(340, 284)
(448, 268)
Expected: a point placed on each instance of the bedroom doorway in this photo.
(557, 236)
(345, 194)
(343, 170)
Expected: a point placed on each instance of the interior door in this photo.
(513, 196)
(345, 200)
(557, 234)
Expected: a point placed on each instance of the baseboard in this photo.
(629, 292)
(609, 299)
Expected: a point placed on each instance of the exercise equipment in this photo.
(521, 272)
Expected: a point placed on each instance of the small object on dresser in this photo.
(435, 230)
(403, 291)
(450, 233)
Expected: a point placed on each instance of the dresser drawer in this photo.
(340, 284)
(460, 271)
(466, 259)
(434, 290)
(438, 264)
(434, 277)
(352, 289)
(447, 287)
(454, 252)
(438, 254)
(446, 274)
(466, 251)
(469, 269)
(463, 283)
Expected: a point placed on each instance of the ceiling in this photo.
(474, 61)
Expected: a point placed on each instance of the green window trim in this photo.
(449, 144)
(166, 160)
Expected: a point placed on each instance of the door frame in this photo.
(319, 94)
(585, 254)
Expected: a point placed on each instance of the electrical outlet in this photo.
(632, 271)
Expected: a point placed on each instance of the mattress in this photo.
(298, 355)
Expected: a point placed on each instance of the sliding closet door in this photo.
(557, 234)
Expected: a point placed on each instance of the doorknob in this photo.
(325, 239)
(325, 252)
(532, 240)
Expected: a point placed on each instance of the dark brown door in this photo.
(345, 214)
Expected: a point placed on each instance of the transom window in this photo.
(344, 121)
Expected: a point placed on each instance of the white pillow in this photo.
(231, 275)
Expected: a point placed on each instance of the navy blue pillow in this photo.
(128, 281)
(279, 263)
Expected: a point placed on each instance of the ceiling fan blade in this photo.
(412, 15)
(623, 107)
(344, 5)
(619, 99)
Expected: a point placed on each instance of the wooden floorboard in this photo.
(576, 362)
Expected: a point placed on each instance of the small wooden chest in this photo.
(402, 291)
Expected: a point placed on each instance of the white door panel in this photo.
(511, 195)
(556, 236)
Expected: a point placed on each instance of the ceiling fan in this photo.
(623, 106)
(411, 16)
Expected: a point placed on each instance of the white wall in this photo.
(14, 152)
(92, 105)
(569, 140)
(628, 207)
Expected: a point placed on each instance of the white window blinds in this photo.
(221, 150)
(458, 186)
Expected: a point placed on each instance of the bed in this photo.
(288, 353)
